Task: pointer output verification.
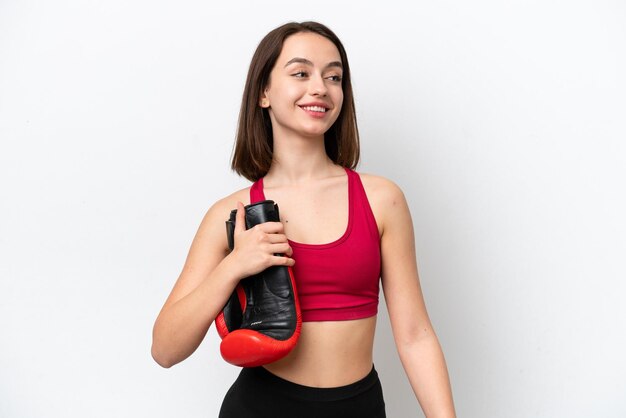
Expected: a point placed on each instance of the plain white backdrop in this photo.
(502, 121)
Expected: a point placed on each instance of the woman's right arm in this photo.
(208, 278)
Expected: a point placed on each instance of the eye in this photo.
(335, 78)
(300, 74)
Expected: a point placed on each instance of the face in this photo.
(304, 95)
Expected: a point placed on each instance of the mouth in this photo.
(317, 109)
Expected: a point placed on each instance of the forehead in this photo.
(314, 47)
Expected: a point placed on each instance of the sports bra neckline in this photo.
(348, 229)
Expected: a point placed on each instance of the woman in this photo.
(298, 142)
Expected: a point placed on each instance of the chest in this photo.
(316, 213)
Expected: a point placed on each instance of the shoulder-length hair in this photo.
(252, 154)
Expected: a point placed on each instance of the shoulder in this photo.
(380, 187)
(219, 211)
(386, 198)
(210, 234)
(222, 207)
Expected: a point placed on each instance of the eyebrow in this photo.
(308, 62)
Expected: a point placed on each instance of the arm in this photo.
(417, 344)
(208, 278)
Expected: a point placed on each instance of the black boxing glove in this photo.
(229, 319)
(261, 321)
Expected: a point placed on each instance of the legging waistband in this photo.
(309, 393)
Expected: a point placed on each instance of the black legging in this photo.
(257, 393)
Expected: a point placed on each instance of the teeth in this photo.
(315, 108)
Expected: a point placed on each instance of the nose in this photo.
(317, 86)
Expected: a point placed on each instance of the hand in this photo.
(256, 248)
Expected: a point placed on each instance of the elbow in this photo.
(415, 336)
(161, 358)
(159, 349)
(163, 361)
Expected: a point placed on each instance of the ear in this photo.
(264, 101)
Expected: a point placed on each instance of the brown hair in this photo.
(252, 154)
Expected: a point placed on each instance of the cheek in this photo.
(338, 99)
(285, 95)
(337, 94)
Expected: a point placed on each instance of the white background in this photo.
(502, 121)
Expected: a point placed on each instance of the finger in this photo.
(279, 260)
(282, 248)
(240, 220)
(276, 238)
(271, 227)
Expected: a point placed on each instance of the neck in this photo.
(297, 160)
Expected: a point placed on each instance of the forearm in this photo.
(181, 326)
(426, 369)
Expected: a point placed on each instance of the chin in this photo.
(314, 133)
(314, 130)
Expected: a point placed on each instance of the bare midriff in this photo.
(329, 354)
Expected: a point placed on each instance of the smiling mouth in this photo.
(314, 109)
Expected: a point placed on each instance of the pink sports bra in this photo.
(339, 280)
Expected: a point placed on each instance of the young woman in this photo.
(340, 230)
